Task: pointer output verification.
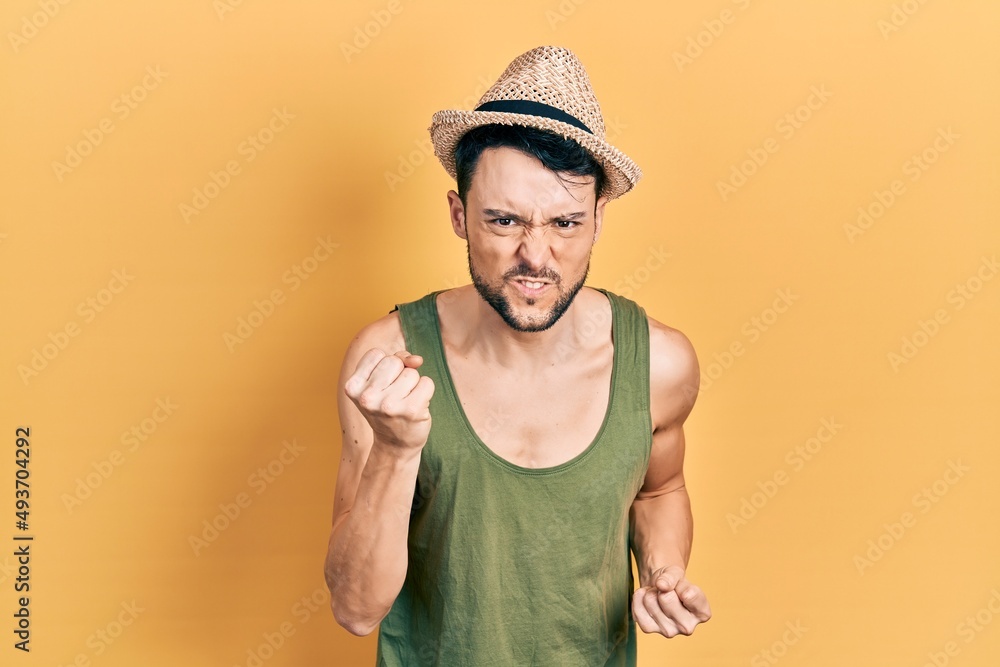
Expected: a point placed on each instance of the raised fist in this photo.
(393, 397)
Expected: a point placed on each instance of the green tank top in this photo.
(512, 566)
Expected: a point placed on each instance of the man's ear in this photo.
(457, 212)
(599, 216)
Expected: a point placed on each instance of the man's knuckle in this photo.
(368, 399)
(392, 363)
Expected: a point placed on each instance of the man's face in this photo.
(529, 236)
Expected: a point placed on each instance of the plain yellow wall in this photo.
(170, 169)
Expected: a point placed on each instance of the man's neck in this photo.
(476, 329)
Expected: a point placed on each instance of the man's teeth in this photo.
(532, 285)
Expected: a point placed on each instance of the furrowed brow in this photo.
(499, 213)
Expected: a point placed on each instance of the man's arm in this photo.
(660, 522)
(660, 518)
(366, 560)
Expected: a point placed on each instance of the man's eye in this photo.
(566, 224)
(503, 222)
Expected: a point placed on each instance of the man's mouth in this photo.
(531, 288)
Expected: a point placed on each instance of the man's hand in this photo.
(671, 606)
(393, 397)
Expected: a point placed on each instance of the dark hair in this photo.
(557, 154)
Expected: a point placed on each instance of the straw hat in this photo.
(546, 88)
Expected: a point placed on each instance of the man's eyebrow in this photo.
(500, 213)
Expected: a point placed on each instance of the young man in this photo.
(506, 443)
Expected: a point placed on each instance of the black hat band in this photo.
(531, 108)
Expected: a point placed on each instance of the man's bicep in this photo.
(673, 381)
(666, 463)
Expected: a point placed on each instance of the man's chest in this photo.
(535, 420)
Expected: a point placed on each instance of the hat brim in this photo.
(447, 128)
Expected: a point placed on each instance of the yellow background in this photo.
(352, 167)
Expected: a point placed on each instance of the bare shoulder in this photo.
(674, 374)
(385, 333)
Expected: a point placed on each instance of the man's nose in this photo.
(534, 250)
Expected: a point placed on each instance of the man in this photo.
(506, 443)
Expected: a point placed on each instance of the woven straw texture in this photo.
(554, 76)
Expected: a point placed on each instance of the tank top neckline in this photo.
(456, 404)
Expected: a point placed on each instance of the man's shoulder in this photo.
(663, 339)
(668, 342)
(385, 333)
(674, 374)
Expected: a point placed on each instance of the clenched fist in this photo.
(671, 606)
(393, 397)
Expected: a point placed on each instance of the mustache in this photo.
(524, 271)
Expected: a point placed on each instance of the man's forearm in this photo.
(367, 557)
(661, 529)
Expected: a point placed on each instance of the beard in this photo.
(493, 294)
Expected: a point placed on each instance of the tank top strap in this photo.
(422, 336)
(419, 322)
(631, 340)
